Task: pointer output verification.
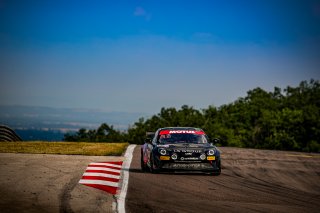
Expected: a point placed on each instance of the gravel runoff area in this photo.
(49, 183)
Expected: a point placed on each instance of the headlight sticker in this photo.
(211, 157)
(164, 157)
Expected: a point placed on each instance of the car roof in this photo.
(181, 128)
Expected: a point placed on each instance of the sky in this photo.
(142, 55)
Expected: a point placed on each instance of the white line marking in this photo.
(114, 206)
(103, 169)
(125, 180)
(105, 164)
(99, 182)
(96, 174)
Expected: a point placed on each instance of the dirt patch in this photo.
(49, 183)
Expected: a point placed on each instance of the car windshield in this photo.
(182, 138)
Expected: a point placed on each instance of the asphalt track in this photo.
(251, 181)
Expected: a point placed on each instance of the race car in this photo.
(180, 149)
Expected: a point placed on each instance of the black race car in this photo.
(180, 149)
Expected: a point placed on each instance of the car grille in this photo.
(188, 166)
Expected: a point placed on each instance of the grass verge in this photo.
(64, 148)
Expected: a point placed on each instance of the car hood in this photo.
(186, 146)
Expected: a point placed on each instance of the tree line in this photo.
(285, 119)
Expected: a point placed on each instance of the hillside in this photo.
(50, 124)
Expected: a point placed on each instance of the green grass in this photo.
(64, 148)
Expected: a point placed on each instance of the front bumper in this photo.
(190, 166)
(197, 165)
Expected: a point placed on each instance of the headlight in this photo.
(203, 156)
(174, 156)
(211, 152)
(163, 151)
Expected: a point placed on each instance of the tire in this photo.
(219, 171)
(152, 168)
(143, 166)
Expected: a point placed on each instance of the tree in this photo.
(283, 119)
(104, 133)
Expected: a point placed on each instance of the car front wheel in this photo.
(219, 171)
(152, 166)
(143, 165)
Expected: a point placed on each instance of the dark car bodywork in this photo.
(180, 149)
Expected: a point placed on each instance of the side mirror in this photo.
(216, 140)
(147, 140)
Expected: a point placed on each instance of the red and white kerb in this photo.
(104, 176)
